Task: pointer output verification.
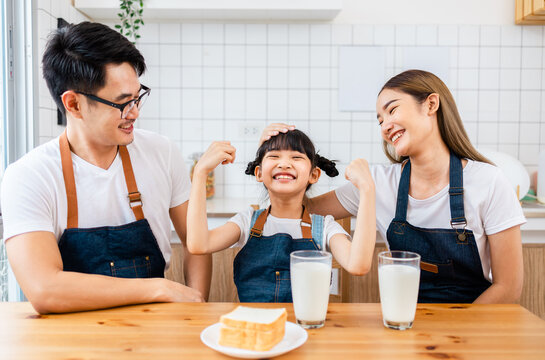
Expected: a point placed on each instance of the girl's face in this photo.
(286, 172)
(404, 123)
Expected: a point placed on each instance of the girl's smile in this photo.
(285, 171)
(284, 177)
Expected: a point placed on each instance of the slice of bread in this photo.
(253, 328)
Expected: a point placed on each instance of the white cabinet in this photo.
(218, 9)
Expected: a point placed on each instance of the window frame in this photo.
(20, 90)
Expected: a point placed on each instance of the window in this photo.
(17, 105)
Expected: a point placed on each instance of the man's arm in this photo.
(197, 268)
(37, 265)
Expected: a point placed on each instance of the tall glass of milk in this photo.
(310, 280)
(398, 280)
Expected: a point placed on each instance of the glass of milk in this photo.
(398, 280)
(310, 280)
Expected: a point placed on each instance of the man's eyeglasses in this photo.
(125, 108)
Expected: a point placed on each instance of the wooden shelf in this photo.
(218, 9)
(530, 12)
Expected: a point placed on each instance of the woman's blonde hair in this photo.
(420, 84)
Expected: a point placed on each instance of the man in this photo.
(87, 215)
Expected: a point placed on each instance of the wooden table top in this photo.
(352, 331)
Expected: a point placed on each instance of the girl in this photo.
(439, 198)
(287, 165)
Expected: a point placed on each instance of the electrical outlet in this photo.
(250, 130)
(334, 288)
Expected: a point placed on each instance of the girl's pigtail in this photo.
(326, 165)
(250, 169)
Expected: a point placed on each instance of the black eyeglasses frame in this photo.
(120, 107)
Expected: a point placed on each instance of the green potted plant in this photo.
(131, 18)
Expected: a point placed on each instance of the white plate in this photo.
(513, 169)
(294, 337)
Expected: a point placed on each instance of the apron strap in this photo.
(257, 229)
(318, 231)
(306, 224)
(456, 192)
(135, 199)
(69, 182)
(403, 193)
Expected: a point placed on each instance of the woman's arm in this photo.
(327, 204)
(507, 268)
(273, 130)
(199, 239)
(356, 256)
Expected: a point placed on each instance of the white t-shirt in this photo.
(34, 196)
(275, 225)
(490, 204)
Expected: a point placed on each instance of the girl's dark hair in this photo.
(295, 140)
(76, 55)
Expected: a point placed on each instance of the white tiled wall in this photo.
(47, 13)
(215, 81)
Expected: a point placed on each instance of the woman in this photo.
(439, 198)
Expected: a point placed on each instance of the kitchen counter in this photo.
(533, 209)
(221, 209)
(227, 207)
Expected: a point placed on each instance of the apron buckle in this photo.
(455, 223)
(255, 232)
(135, 199)
(460, 235)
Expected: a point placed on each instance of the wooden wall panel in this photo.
(364, 288)
(533, 290)
(222, 287)
(176, 271)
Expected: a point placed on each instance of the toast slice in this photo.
(253, 328)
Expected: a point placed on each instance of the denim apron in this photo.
(126, 251)
(450, 262)
(262, 267)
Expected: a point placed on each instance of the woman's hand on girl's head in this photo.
(273, 130)
(219, 152)
(358, 173)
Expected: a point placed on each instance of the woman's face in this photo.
(404, 123)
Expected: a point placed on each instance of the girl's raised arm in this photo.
(200, 240)
(356, 256)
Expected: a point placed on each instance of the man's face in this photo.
(103, 124)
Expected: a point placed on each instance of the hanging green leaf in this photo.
(130, 18)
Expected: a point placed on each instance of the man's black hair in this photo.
(76, 55)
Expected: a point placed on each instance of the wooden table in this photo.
(352, 331)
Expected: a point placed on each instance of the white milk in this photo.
(310, 290)
(398, 286)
